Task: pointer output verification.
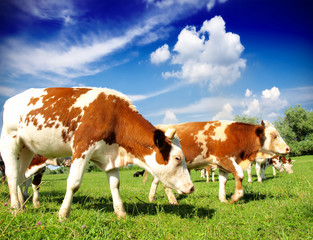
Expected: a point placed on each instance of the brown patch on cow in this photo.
(187, 133)
(37, 160)
(33, 101)
(57, 103)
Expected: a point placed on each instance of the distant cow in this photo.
(279, 163)
(89, 124)
(206, 172)
(229, 145)
(35, 171)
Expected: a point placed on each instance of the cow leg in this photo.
(222, 180)
(114, 181)
(73, 183)
(249, 173)
(213, 175)
(10, 150)
(35, 185)
(202, 173)
(16, 160)
(263, 172)
(258, 171)
(237, 172)
(154, 186)
(27, 183)
(208, 171)
(274, 171)
(170, 195)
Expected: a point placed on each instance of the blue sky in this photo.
(178, 60)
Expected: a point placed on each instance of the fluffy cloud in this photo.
(160, 55)
(268, 105)
(253, 108)
(208, 56)
(225, 114)
(170, 118)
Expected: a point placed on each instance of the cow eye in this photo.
(273, 135)
(178, 158)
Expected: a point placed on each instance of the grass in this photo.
(279, 208)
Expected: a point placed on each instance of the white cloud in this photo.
(7, 91)
(212, 3)
(272, 94)
(208, 56)
(268, 105)
(253, 108)
(54, 59)
(170, 118)
(48, 9)
(248, 93)
(225, 114)
(160, 55)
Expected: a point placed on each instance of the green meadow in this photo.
(279, 208)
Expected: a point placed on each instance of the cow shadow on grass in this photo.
(136, 208)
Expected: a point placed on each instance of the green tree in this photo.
(246, 119)
(296, 127)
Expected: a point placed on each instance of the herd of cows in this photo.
(101, 125)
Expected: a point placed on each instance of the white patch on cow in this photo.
(85, 99)
(276, 145)
(201, 139)
(237, 167)
(47, 142)
(219, 132)
(30, 171)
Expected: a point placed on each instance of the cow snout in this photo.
(288, 149)
(192, 189)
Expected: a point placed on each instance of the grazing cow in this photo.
(229, 145)
(35, 171)
(264, 160)
(89, 124)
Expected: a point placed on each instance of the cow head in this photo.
(272, 141)
(167, 163)
(277, 163)
(287, 164)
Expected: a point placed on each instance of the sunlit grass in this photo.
(279, 208)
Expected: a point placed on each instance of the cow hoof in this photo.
(151, 199)
(36, 205)
(223, 201)
(63, 215)
(174, 202)
(121, 215)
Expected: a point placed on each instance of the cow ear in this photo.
(159, 138)
(260, 131)
(170, 133)
(262, 123)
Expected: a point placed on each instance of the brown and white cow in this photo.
(229, 145)
(263, 161)
(35, 172)
(87, 124)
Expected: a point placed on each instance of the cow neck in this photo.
(135, 134)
